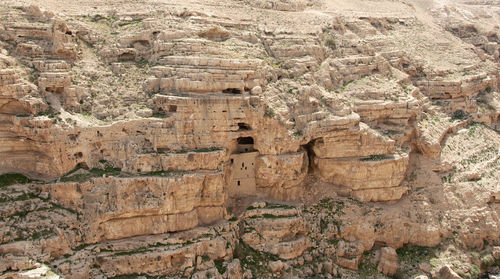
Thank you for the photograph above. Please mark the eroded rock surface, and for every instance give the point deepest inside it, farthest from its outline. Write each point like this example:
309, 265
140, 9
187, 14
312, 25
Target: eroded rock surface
249, 139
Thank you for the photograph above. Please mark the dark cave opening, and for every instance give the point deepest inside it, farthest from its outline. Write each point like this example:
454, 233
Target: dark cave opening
232, 91
310, 153
244, 127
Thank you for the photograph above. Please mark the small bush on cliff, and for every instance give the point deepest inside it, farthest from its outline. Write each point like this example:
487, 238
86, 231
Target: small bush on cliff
159, 114
366, 267
13, 178
219, 264
459, 115
199, 150
107, 169
411, 256
330, 42
254, 260
474, 271
374, 158
487, 261
269, 113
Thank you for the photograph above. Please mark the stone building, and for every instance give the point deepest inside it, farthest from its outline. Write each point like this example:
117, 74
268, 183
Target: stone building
242, 162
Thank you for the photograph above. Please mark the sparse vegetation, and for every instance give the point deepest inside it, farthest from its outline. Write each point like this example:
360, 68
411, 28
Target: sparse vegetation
487, 261
269, 113
330, 41
281, 64
474, 272
199, 150
50, 113
281, 206
13, 178
132, 22
159, 114
411, 256
94, 172
164, 173
459, 115
141, 250
219, 264
392, 132
366, 267
374, 158
142, 63
473, 128
254, 260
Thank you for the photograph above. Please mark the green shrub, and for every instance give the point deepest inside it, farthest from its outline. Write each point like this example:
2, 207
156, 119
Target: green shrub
254, 260
13, 178
220, 267
330, 42
298, 133
367, 269
459, 115
374, 158
159, 114
474, 271
269, 113
487, 261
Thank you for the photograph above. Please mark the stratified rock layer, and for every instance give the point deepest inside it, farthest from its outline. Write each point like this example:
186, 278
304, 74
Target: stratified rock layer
286, 138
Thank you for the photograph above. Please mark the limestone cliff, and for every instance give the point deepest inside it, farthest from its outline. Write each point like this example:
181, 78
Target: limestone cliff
249, 139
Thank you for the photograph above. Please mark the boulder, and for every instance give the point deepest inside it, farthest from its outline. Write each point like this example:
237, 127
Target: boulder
387, 261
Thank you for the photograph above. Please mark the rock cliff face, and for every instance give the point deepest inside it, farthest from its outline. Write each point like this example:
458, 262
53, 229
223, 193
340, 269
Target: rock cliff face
249, 139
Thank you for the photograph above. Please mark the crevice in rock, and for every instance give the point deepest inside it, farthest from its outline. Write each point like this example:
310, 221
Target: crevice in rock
310, 154
232, 91
244, 127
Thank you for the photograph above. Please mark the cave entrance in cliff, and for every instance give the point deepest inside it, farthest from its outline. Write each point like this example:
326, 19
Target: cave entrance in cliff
82, 165
242, 164
54, 89
232, 91
244, 127
310, 153
244, 144
126, 56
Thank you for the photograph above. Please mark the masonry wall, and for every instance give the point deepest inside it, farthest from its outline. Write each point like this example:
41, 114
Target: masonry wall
243, 176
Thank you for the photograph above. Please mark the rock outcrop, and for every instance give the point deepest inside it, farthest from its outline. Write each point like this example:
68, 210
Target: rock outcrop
286, 138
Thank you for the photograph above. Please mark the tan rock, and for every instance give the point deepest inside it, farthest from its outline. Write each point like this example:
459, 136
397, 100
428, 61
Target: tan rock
277, 231
446, 272
276, 266
215, 33
247, 274
349, 263
233, 270
287, 250
328, 267
387, 261
257, 90
425, 267
281, 171
378, 195
353, 143
386, 172
210, 273
111, 212
148, 109
496, 252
